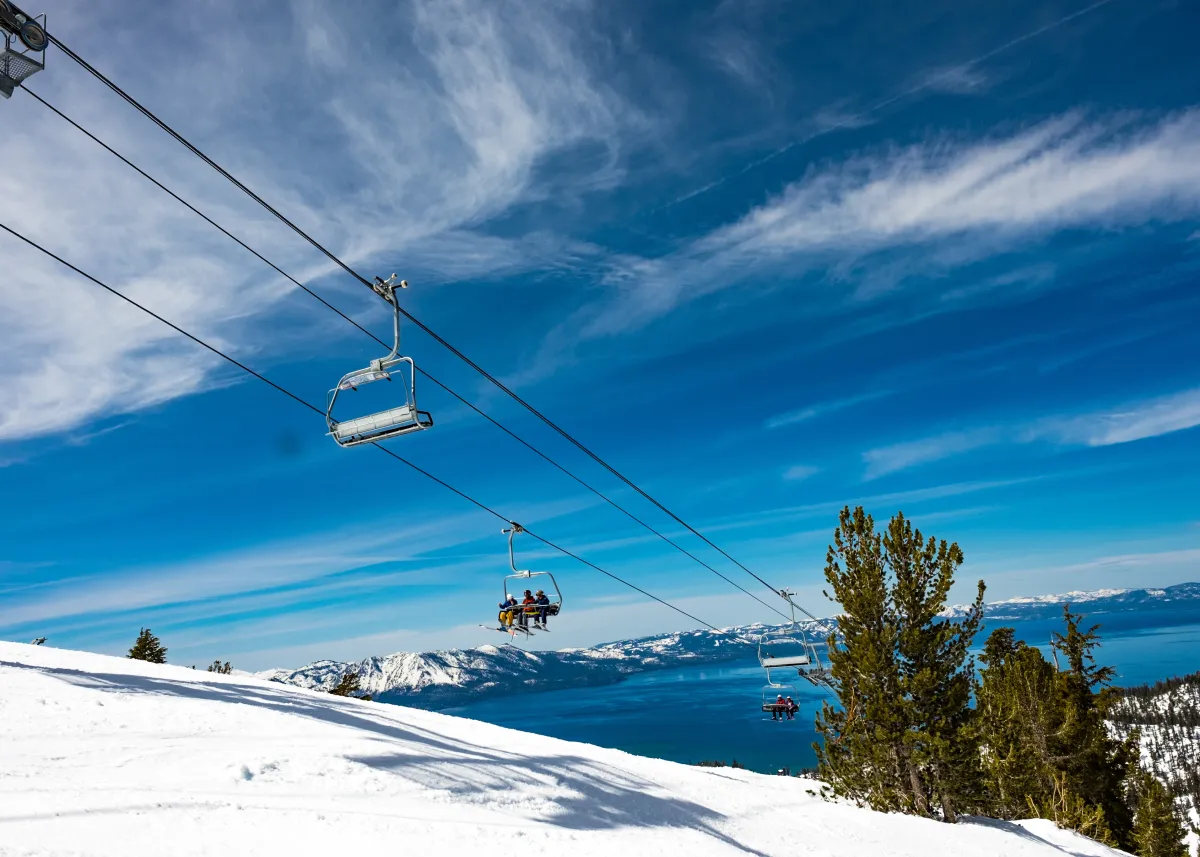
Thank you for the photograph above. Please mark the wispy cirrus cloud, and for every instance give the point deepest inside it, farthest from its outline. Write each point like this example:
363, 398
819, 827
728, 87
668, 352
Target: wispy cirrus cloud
1140, 420
899, 456
419, 148
1135, 421
801, 415
800, 472
956, 79
948, 201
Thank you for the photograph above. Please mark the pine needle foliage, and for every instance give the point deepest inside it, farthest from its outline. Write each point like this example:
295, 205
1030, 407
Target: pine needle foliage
897, 741
349, 686
1157, 831
222, 668
147, 647
1047, 751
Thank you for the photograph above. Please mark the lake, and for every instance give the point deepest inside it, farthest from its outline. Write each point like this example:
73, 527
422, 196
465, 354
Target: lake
712, 712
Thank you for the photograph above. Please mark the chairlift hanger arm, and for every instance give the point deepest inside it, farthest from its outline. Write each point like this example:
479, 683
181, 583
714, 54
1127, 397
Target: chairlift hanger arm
512, 531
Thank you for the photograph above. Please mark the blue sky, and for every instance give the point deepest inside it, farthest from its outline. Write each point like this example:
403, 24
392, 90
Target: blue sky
767, 258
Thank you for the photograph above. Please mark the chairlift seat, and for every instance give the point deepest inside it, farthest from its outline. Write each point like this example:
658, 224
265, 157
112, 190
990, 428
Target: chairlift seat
381, 426
790, 661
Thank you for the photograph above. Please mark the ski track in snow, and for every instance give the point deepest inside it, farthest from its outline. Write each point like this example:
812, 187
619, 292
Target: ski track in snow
107, 756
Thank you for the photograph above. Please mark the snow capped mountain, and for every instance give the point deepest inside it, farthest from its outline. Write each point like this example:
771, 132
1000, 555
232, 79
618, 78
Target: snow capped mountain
455, 677
109, 757
448, 678
1092, 602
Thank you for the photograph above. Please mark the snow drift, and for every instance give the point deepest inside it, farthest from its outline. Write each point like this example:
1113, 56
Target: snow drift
106, 756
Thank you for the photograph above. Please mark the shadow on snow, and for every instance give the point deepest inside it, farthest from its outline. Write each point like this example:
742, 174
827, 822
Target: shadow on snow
581, 794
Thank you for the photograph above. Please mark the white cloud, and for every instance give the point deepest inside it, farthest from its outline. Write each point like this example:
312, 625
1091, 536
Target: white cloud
1065, 172
955, 79
799, 472
899, 456
316, 564
407, 150
805, 414
1134, 421
1149, 418
949, 201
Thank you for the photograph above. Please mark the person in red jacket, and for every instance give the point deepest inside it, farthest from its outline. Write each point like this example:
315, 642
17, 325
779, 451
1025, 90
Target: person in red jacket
528, 608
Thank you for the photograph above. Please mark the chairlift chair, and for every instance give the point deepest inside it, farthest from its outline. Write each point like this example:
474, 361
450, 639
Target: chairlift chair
392, 422
18, 62
555, 597
771, 692
788, 647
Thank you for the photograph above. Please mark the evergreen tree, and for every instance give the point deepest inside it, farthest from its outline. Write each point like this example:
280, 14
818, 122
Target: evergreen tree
1018, 718
904, 675
1156, 828
217, 667
349, 686
148, 648
1095, 765
1045, 748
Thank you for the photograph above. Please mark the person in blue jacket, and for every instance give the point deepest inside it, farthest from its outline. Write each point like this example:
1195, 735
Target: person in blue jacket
543, 603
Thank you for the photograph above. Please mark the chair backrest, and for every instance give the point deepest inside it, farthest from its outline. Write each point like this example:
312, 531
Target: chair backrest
382, 421
790, 661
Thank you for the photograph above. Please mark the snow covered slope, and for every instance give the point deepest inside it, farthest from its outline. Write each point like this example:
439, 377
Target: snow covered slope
106, 756
459, 676
1167, 718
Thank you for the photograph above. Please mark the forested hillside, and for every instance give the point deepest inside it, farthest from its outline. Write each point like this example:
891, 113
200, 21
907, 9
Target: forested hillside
1168, 716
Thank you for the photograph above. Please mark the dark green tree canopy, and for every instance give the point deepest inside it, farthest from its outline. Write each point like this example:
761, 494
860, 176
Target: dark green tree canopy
350, 686
903, 671
148, 648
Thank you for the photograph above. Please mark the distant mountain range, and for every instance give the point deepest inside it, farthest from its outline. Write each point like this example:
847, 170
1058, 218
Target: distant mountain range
1093, 603
446, 679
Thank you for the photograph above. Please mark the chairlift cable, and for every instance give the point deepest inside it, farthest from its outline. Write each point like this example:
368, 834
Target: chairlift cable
366, 331
332, 257
320, 411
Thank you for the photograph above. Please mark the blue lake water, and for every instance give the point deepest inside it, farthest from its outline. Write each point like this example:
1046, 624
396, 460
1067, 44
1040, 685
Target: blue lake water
713, 712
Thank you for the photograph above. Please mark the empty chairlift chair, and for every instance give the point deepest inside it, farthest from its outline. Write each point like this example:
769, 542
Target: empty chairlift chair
788, 647
391, 422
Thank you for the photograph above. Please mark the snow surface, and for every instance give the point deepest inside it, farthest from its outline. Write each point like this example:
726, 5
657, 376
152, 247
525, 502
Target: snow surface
107, 756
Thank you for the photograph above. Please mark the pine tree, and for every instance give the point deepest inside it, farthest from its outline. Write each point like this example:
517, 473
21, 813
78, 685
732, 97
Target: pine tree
1045, 748
349, 686
858, 756
1156, 828
936, 670
898, 742
217, 667
1018, 717
1094, 764
148, 648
